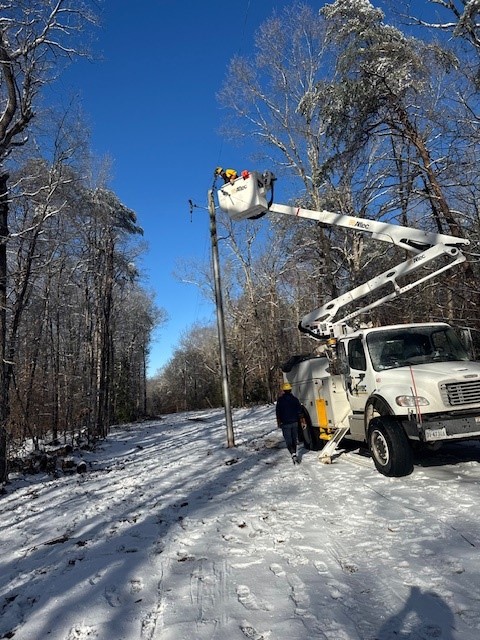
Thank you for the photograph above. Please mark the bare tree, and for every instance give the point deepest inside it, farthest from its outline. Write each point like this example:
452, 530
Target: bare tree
464, 20
381, 75
104, 224
34, 40
274, 97
191, 379
393, 86
79, 323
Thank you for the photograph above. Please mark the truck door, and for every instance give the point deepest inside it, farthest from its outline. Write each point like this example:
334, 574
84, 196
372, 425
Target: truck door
358, 379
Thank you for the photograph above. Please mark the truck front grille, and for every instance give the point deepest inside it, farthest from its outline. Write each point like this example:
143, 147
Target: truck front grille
457, 393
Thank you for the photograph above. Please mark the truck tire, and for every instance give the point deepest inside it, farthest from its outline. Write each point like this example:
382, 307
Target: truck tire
389, 447
317, 442
310, 435
306, 437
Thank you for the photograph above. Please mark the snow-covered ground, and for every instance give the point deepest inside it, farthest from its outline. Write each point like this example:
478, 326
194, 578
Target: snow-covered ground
170, 536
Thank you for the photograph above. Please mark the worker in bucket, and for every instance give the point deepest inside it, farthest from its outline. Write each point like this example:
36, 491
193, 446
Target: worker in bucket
289, 412
228, 175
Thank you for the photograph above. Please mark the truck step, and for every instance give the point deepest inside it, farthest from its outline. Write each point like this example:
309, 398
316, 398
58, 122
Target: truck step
331, 446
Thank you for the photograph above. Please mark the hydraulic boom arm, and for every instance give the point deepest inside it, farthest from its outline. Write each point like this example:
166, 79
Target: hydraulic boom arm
246, 198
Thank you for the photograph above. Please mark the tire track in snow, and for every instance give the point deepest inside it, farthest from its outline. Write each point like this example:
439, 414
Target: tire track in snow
208, 592
153, 620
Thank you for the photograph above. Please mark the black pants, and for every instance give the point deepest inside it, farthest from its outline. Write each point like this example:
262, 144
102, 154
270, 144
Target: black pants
290, 435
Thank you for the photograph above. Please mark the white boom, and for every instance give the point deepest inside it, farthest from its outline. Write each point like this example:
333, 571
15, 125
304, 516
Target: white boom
246, 198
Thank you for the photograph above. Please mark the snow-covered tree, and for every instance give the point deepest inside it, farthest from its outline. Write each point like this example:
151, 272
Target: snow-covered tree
381, 82
464, 22
35, 38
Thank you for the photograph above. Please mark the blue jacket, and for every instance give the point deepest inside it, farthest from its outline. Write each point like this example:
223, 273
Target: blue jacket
288, 409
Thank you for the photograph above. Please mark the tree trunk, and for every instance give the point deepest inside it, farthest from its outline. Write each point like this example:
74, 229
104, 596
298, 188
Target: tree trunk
3, 326
439, 204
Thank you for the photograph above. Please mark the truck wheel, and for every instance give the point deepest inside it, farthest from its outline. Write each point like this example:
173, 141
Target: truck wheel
305, 436
390, 448
308, 435
317, 443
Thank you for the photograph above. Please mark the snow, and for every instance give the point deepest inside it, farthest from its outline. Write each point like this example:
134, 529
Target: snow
170, 535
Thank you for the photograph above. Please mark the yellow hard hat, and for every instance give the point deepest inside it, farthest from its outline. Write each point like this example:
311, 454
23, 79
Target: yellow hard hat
218, 171
230, 172
286, 386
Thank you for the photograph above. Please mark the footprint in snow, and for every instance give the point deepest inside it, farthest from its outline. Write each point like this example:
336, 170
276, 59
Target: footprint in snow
251, 633
96, 578
320, 566
246, 597
81, 632
112, 597
136, 585
335, 592
277, 569
299, 596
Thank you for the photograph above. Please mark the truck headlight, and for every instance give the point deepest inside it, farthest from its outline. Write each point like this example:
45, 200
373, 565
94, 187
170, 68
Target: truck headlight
411, 401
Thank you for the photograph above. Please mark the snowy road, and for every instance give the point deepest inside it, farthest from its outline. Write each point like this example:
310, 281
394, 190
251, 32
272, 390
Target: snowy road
172, 536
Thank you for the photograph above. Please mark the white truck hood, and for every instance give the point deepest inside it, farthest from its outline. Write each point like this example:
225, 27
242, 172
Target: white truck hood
447, 386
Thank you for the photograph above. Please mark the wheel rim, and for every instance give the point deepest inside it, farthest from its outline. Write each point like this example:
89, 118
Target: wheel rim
380, 448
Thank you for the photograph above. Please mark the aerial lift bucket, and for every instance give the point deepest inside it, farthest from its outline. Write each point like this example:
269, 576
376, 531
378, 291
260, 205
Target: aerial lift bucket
245, 197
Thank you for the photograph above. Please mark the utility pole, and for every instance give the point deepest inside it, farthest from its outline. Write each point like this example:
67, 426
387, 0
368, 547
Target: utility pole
220, 320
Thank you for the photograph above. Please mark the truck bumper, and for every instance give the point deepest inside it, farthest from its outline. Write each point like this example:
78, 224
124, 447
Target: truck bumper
439, 429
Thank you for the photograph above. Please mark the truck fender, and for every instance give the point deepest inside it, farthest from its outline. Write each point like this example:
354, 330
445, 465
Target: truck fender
376, 406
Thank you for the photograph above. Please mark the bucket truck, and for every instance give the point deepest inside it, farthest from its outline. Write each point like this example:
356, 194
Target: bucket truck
392, 387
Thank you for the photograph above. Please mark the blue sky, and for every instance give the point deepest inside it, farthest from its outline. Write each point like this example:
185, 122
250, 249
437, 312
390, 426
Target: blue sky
150, 101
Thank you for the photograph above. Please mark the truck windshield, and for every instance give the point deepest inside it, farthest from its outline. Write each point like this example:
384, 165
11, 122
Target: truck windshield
414, 345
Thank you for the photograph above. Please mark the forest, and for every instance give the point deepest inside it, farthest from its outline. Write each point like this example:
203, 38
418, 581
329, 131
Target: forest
360, 111
75, 320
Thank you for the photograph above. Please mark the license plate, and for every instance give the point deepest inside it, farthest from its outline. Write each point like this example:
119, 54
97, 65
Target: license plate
435, 434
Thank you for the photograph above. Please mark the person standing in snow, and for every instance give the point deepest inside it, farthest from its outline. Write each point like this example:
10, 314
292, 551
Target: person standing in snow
289, 411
